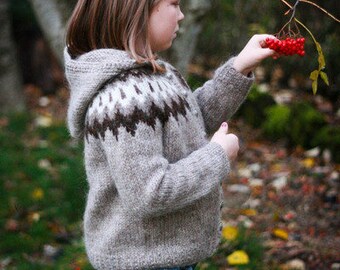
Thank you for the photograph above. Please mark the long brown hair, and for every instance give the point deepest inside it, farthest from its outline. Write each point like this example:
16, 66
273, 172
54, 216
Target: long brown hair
117, 24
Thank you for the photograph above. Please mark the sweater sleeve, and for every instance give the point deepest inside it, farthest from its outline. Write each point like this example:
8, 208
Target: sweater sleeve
147, 183
220, 97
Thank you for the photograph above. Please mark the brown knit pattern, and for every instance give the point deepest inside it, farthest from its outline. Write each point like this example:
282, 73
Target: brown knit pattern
97, 126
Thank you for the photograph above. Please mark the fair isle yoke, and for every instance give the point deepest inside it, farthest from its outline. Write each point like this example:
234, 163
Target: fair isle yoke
148, 101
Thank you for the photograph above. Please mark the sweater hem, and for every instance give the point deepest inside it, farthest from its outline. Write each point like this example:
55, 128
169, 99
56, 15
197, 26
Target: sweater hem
142, 261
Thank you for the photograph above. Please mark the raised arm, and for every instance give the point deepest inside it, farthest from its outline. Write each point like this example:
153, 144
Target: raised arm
220, 97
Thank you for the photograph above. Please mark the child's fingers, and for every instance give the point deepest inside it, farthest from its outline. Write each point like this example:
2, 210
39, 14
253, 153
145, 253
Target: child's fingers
267, 52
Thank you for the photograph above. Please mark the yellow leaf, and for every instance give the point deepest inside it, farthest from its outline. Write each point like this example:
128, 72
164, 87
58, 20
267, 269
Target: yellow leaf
308, 163
229, 233
321, 58
238, 257
38, 194
324, 77
249, 212
281, 234
314, 75
315, 86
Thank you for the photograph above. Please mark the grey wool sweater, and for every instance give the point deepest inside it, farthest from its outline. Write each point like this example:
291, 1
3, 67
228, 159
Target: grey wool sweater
154, 178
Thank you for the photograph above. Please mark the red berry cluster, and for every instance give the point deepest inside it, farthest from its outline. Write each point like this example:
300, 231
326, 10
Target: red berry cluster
288, 46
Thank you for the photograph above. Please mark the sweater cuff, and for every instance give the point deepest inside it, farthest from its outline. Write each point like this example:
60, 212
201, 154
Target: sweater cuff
228, 68
219, 159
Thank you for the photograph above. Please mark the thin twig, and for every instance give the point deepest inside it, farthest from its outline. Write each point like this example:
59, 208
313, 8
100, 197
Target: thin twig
311, 3
287, 4
293, 14
322, 9
293, 9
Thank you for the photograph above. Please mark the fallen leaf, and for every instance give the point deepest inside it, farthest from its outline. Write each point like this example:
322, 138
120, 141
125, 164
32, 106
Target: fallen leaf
44, 164
280, 183
238, 257
34, 217
249, 212
289, 215
280, 233
37, 194
308, 163
229, 233
43, 121
12, 225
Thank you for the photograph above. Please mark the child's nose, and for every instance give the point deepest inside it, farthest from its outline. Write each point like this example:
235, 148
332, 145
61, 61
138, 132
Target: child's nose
181, 15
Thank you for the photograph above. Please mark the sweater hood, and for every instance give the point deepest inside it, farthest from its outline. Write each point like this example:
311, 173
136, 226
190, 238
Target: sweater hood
86, 75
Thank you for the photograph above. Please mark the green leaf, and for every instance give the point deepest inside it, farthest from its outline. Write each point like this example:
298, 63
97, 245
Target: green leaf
315, 86
324, 77
314, 75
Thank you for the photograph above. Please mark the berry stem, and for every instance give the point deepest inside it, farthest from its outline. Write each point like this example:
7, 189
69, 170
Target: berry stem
293, 11
288, 24
305, 27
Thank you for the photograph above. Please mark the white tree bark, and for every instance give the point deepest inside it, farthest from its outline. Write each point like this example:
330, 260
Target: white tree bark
52, 16
11, 94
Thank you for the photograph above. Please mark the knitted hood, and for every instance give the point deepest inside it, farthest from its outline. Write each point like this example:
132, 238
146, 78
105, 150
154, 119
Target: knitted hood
86, 75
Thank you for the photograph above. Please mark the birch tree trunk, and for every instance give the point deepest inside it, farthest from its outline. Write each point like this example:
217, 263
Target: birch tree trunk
52, 16
183, 48
11, 95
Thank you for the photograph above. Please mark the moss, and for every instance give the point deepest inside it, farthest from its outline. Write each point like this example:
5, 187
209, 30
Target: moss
277, 121
303, 124
300, 124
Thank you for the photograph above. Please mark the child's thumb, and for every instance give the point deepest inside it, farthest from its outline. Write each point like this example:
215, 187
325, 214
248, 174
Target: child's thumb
224, 128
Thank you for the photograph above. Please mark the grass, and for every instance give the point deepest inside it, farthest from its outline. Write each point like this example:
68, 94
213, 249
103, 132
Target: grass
43, 190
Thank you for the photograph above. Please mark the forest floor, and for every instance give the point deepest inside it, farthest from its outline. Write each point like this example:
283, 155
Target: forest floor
288, 197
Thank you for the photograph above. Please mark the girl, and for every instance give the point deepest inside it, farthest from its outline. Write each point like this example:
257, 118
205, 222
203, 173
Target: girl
154, 178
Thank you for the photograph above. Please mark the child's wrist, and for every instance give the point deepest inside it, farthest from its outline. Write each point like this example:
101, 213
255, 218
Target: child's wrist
240, 68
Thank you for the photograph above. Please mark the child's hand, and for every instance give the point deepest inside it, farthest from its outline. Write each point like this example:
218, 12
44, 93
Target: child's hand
253, 53
229, 142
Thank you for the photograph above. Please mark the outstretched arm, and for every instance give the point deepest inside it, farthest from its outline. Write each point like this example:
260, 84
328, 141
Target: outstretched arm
220, 97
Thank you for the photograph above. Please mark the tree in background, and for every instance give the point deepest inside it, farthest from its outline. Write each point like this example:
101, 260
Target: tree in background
11, 97
182, 52
52, 16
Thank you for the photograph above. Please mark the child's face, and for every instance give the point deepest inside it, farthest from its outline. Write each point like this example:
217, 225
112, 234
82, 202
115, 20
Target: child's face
163, 24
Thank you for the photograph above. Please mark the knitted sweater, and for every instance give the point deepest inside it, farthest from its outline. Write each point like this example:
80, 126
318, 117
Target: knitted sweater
154, 178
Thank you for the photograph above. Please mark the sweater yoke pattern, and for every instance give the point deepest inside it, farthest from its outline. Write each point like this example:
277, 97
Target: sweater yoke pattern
118, 104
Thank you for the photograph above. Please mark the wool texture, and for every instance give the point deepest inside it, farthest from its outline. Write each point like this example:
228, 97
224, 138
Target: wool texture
154, 177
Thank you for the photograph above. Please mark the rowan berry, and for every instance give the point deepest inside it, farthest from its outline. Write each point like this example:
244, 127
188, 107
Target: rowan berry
288, 46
